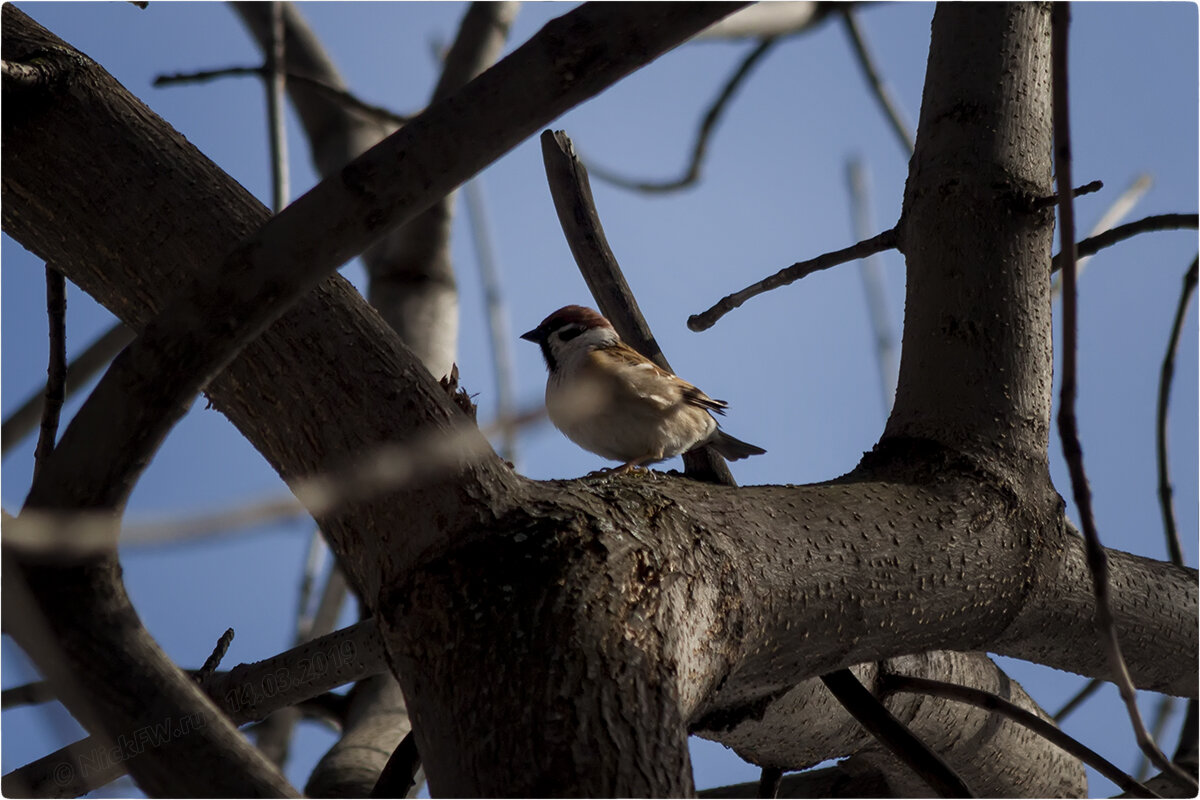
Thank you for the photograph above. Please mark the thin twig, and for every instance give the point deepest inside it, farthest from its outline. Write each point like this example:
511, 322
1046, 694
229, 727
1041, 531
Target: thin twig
691, 173
1116, 212
1158, 726
978, 697
384, 468
768, 783
572, 193
341, 96
891, 109
873, 286
214, 659
81, 370
56, 369
876, 244
497, 315
1078, 191
1155, 222
1089, 689
893, 734
1067, 424
1174, 546
276, 85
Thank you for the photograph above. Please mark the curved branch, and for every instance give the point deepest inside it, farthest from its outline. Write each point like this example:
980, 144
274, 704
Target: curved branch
1155, 222
691, 173
1174, 547
893, 682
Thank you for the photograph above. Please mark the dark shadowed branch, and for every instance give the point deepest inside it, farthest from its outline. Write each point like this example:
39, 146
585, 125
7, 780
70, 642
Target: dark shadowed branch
1112, 216
1155, 222
1089, 689
1068, 426
876, 244
56, 369
1174, 547
893, 735
341, 96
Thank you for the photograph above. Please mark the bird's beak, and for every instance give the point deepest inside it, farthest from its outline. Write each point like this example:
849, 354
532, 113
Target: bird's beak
532, 336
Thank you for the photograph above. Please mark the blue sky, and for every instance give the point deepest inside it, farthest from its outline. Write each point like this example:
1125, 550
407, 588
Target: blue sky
797, 365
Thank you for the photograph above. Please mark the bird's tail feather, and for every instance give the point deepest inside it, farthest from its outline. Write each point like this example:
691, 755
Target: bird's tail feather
732, 448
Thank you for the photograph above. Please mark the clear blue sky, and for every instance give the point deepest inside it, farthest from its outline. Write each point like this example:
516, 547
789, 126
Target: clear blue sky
797, 365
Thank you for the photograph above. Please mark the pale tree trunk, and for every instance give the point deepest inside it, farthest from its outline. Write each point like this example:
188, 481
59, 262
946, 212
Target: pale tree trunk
563, 637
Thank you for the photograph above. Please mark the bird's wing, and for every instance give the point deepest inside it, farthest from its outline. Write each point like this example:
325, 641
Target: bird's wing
650, 383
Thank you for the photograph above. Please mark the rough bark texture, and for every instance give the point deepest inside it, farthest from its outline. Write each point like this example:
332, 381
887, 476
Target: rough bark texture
609, 616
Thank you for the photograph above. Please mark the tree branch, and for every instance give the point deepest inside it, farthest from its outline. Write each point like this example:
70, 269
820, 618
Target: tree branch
893, 682
891, 109
572, 193
81, 370
1156, 222
1067, 424
1174, 546
801, 269
56, 371
691, 173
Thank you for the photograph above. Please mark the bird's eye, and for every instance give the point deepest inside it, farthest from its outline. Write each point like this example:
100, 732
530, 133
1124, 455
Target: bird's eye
570, 332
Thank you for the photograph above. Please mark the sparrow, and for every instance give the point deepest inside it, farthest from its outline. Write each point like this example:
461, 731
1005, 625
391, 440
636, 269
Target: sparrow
611, 400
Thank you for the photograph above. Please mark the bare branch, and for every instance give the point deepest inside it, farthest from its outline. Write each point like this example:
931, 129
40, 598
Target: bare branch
801, 269
708, 123
341, 96
276, 85
892, 733
1155, 222
1067, 424
1087, 691
978, 697
1116, 212
1174, 546
1158, 726
81, 370
245, 693
214, 660
56, 371
900, 126
572, 193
